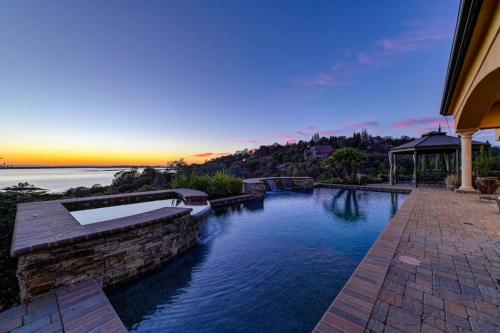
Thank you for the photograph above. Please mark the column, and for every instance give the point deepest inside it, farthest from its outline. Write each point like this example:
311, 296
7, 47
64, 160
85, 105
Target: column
415, 167
391, 168
466, 148
395, 168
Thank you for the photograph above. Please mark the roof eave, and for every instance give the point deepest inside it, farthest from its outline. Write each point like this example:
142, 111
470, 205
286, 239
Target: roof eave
466, 22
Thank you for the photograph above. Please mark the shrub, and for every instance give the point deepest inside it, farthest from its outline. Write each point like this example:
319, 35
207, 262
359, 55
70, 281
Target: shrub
453, 180
221, 184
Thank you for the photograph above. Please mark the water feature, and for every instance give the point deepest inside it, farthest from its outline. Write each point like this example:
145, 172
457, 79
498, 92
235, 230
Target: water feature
271, 265
272, 184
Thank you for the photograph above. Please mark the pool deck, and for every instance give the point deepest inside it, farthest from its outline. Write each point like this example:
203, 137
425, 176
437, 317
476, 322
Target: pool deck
456, 286
82, 308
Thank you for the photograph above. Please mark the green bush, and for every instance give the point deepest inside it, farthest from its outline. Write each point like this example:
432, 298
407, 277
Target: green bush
221, 184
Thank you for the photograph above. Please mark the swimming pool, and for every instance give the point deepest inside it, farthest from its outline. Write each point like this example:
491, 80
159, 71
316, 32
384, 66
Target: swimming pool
271, 265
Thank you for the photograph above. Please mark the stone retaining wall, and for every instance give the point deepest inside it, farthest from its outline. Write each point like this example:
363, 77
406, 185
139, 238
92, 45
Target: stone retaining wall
111, 259
234, 200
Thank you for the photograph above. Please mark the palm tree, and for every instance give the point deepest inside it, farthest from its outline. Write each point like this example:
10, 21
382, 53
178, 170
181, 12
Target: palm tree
346, 162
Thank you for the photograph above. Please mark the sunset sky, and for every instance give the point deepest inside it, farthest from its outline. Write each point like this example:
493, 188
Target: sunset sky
144, 82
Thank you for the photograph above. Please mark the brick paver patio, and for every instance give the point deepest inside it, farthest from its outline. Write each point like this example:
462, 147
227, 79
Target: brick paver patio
456, 286
82, 308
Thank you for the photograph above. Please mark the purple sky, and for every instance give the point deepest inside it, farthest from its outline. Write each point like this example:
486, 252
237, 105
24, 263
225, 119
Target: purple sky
159, 80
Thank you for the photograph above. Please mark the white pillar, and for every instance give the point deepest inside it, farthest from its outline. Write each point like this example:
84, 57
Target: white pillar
466, 148
391, 169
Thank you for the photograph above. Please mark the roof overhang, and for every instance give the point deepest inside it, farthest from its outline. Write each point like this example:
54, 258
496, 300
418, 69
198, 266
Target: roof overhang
468, 15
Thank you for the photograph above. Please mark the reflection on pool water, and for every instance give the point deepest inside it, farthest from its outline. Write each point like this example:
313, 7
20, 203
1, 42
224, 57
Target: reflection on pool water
88, 216
271, 265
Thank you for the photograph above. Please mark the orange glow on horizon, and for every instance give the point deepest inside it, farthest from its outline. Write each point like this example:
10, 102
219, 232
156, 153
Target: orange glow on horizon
86, 157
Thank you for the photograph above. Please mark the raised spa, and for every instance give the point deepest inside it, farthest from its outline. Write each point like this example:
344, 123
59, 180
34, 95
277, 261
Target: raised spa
271, 265
95, 215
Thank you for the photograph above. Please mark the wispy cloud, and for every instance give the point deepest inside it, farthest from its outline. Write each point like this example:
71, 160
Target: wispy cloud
210, 154
407, 126
385, 51
322, 80
253, 141
420, 36
427, 121
370, 125
305, 133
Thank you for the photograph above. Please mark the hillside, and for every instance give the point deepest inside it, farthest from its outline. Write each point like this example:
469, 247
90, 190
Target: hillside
289, 160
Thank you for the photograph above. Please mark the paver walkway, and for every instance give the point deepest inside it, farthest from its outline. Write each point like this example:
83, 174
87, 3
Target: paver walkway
456, 286
81, 308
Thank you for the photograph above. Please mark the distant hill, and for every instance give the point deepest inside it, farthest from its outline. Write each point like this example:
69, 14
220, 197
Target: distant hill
289, 159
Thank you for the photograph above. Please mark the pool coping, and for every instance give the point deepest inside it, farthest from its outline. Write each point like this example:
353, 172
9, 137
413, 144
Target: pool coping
372, 187
234, 199
47, 224
351, 309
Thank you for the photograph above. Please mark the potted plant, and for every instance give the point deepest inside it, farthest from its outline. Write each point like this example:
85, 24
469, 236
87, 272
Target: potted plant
483, 165
452, 181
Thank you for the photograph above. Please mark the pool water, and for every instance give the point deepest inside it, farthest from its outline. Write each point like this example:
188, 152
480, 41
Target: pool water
95, 215
272, 265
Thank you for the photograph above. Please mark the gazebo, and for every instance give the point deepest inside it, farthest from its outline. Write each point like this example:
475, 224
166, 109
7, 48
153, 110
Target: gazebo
431, 143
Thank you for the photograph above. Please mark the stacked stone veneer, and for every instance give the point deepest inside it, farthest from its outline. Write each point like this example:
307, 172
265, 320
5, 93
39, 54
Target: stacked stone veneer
111, 259
260, 186
55, 251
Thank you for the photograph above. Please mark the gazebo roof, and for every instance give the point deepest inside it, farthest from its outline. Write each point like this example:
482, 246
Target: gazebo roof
434, 140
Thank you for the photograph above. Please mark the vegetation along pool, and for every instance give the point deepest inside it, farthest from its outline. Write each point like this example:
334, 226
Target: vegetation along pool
271, 265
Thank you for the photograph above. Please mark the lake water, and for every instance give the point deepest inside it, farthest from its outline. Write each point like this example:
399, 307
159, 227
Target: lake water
271, 265
58, 179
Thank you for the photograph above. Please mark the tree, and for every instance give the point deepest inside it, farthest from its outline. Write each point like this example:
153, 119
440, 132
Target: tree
316, 137
346, 161
484, 162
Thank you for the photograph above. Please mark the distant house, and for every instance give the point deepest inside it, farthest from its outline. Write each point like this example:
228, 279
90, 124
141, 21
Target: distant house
318, 151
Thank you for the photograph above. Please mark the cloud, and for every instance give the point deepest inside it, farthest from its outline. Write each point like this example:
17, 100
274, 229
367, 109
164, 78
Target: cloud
253, 141
210, 154
303, 133
322, 80
373, 125
420, 37
385, 51
427, 121
408, 126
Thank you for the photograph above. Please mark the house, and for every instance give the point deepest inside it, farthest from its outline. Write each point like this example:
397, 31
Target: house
318, 151
472, 88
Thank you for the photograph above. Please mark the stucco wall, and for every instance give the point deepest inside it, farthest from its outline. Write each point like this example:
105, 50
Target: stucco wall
477, 88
